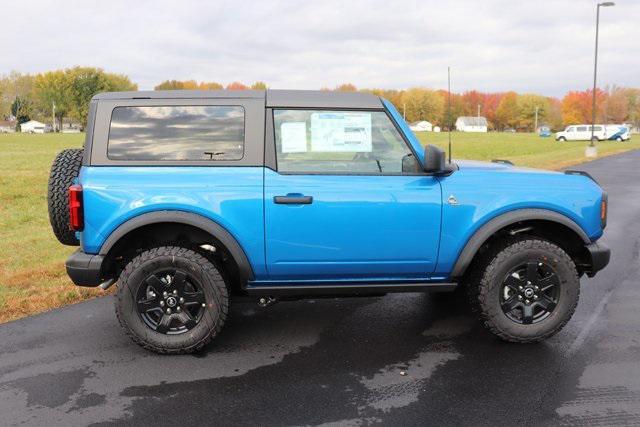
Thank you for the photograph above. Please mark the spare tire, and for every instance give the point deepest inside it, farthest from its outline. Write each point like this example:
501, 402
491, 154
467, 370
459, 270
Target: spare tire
64, 170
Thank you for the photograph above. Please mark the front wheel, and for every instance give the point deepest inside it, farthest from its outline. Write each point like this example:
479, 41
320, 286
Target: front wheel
171, 300
527, 290
619, 139
561, 139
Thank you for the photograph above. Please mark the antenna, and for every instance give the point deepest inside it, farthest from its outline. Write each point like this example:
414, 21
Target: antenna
449, 108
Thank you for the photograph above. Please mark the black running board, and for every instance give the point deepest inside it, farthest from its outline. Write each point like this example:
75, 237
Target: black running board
347, 288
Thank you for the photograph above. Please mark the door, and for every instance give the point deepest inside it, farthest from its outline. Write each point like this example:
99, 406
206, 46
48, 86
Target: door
348, 200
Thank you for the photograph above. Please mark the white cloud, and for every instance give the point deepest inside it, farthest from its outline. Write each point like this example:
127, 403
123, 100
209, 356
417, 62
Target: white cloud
494, 45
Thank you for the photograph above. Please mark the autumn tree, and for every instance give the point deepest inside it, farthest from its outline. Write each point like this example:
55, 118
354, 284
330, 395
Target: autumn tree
12, 86
53, 88
237, 86
577, 106
528, 103
508, 112
422, 104
346, 87
85, 82
616, 107
187, 85
259, 86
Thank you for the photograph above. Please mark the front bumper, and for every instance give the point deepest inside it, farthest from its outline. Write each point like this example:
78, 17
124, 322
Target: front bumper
600, 255
85, 269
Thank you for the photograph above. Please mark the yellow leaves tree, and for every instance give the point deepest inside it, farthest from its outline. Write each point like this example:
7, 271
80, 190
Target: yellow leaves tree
422, 104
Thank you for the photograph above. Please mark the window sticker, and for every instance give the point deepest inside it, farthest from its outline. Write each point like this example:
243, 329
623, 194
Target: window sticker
293, 137
341, 132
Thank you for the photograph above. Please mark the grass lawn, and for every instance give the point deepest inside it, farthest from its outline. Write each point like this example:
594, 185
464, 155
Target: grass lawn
523, 149
32, 274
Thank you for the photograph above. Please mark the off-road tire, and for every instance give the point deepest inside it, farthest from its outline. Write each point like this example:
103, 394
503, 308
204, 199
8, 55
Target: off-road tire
65, 168
214, 288
485, 279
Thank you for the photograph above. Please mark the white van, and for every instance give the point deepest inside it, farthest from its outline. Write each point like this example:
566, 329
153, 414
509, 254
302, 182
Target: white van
600, 133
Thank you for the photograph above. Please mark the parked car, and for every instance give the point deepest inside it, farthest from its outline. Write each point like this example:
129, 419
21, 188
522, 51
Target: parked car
600, 133
618, 133
544, 132
509, 130
192, 199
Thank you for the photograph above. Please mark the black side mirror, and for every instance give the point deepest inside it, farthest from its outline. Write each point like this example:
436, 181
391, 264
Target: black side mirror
434, 159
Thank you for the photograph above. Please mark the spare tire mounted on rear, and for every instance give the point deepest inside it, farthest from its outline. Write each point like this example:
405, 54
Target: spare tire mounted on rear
64, 170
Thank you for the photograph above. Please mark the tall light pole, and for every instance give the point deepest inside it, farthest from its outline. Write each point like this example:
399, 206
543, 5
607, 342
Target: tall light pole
592, 151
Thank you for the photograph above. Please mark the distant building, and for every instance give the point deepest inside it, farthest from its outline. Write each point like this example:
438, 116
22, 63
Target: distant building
34, 126
7, 126
471, 124
421, 126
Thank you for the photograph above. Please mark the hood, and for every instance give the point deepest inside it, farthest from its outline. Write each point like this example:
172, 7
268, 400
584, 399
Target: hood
473, 165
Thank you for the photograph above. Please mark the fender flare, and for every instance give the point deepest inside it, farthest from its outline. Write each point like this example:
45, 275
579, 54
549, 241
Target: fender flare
181, 217
488, 229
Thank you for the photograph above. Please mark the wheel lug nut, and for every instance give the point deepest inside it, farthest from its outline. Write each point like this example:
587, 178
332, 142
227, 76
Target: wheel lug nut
178, 309
520, 287
164, 294
168, 311
536, 288
527, 301
161, 303
204, 305
175, 292
535, 297
181, 300
520, 297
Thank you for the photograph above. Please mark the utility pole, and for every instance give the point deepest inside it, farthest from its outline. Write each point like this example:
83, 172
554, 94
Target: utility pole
535, 127
591, 150
53, 115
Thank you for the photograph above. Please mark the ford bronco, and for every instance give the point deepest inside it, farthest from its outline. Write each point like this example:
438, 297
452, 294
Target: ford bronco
187, 199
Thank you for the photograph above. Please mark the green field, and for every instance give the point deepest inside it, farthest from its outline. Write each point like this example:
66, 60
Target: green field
32, 275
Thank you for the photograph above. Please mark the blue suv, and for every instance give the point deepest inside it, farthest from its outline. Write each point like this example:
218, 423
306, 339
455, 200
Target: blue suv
188, 199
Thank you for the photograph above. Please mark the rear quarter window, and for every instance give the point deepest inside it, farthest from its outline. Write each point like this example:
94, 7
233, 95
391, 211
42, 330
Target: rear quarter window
174, 133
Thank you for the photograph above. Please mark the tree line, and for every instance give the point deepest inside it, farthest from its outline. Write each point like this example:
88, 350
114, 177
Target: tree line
66, 93
63, 93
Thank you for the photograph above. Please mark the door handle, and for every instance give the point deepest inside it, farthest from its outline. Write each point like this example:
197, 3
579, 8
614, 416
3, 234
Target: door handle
293, 200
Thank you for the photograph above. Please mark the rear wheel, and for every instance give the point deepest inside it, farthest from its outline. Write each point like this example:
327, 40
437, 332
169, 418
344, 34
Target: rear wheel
527, 290
171, 300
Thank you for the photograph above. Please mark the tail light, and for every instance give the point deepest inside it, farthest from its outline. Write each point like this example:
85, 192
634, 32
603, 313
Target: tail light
603, 210
76, 218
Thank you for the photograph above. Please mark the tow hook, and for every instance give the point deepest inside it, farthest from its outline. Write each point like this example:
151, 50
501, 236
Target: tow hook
266, 301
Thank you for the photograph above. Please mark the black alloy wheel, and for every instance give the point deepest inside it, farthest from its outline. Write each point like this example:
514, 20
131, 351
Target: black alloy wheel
171, 302
530, 293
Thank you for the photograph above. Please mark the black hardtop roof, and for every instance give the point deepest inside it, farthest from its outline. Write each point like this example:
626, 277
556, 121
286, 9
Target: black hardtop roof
273, 98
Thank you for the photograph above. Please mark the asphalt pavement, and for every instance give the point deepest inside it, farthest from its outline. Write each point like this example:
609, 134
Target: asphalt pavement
405, 359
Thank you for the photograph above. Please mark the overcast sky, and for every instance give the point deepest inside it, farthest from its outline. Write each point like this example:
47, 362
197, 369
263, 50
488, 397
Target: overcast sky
541, 46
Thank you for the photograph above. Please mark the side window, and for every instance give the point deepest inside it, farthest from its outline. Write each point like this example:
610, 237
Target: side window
170, 133
582, 128
323, 141
571, 129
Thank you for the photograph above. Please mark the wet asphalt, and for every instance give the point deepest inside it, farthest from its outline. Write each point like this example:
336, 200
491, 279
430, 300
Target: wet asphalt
405, 359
